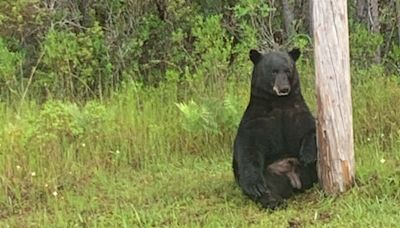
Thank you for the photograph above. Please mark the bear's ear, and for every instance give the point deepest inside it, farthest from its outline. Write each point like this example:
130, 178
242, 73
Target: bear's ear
255, 56
295, 54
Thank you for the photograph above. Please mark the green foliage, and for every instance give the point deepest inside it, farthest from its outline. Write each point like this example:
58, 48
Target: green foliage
302, 42
213, 47
363, 45
136, 46
212, 116
10, 64
56, 121
394, 56
75, 64
93, 116
197, 118
22, 20
252, 8
254, 15
89, 52
231, 113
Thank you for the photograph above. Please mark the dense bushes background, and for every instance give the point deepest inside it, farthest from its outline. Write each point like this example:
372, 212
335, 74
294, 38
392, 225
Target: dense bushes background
80, 49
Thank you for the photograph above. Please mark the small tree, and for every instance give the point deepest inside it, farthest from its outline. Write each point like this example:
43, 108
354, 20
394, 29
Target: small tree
336, 166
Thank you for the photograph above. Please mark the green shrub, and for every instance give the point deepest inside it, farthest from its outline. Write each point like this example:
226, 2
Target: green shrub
93, 118
76, 64
10, 64
394, 57
363, 45
213, 48
56, 122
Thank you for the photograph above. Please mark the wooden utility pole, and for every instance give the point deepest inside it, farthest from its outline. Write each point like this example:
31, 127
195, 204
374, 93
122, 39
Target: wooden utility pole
336, 166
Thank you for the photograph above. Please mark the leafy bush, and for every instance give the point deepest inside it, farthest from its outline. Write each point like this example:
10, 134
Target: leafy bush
213, 48
90, 48
363, 45
56, 122
394, 57
10, 64
75, 64
95, 121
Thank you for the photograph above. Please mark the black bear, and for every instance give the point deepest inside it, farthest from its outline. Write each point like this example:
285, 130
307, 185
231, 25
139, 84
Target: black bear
275, 148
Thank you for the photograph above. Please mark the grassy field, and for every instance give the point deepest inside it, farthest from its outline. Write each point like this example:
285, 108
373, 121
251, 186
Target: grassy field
162, 157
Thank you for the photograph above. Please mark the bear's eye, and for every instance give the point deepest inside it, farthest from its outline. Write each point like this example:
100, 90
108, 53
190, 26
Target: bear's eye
274, 71
287, 71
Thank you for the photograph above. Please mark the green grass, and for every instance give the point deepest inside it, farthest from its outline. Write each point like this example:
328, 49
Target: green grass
200, 192
136, 160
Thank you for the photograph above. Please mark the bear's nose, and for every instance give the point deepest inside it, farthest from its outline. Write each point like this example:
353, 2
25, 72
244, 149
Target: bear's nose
284, 90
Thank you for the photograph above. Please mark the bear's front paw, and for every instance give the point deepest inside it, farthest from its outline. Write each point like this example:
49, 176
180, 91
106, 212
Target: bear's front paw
268, 201
254, 187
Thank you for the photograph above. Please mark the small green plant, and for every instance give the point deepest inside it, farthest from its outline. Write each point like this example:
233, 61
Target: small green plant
93, 118
197, 118
56, 122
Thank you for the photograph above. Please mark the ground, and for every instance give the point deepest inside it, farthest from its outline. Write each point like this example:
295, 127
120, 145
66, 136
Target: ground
201, 192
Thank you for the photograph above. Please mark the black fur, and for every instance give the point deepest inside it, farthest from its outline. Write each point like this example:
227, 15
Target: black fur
276, 124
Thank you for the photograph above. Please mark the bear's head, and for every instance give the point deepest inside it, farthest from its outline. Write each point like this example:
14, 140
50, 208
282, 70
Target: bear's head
274, 73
